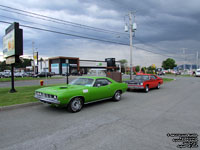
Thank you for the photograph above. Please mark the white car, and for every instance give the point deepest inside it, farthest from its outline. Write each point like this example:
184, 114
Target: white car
197, 73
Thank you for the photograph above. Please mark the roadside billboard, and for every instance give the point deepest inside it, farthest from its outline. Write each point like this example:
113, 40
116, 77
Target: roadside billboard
9, 44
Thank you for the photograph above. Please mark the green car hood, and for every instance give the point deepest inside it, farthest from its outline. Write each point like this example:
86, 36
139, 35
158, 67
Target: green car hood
56, 90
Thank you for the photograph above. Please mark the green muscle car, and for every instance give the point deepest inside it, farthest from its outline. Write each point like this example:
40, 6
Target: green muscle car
81, 91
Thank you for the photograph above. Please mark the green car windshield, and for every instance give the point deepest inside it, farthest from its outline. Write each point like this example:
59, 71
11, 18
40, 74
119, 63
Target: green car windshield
83, 81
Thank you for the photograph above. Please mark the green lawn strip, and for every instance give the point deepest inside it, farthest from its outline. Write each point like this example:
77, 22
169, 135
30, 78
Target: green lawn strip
164, 79
182, 75
27, 78
23, 95
167, 79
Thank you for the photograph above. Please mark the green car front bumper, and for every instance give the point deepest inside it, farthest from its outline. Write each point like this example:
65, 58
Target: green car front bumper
46, 98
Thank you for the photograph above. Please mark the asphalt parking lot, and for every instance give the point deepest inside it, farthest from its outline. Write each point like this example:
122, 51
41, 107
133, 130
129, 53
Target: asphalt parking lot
47, 81
140, 121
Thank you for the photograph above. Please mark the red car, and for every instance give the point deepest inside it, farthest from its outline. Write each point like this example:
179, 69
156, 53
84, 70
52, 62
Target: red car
145, 82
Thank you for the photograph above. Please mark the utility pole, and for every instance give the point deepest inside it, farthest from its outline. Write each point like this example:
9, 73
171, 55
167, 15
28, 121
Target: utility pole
132, 27
33, 58
184, 60
197, 61
131, 44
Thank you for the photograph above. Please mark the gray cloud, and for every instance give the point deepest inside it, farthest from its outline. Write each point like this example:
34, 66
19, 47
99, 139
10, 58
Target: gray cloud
164, 27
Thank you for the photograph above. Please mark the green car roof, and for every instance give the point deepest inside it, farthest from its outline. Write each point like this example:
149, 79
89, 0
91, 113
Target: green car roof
94, 77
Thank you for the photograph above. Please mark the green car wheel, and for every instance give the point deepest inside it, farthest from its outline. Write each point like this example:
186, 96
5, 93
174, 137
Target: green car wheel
75, 104
117, 96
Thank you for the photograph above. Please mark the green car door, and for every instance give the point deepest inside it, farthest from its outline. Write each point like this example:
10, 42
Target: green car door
100, 90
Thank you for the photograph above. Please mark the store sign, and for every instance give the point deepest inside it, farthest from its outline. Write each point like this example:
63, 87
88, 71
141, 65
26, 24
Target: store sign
35, 58
9, 44
13, 43
11, 60
92, 64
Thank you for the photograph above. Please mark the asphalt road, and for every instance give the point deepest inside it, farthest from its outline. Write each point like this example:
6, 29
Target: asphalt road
140, 121
37, 82
47, 81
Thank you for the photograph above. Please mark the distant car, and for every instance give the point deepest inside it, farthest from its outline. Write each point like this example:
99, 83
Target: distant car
81, 91
197, 73
145, 82
1, 75
160, 73
7, 74
65, 74
43, 74
97, 72
177, 73
20, 74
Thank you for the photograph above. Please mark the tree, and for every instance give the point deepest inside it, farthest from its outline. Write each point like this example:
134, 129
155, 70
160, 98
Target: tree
169, 63
137, 68
23, 63
144, 69
123, 64
4, 66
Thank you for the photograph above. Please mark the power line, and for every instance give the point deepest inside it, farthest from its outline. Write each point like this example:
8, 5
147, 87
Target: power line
58, 20
90, 38
141, 41
156, 52
68, 34
43, 25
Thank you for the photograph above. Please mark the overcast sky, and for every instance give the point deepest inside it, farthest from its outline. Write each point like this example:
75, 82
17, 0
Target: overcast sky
165, 28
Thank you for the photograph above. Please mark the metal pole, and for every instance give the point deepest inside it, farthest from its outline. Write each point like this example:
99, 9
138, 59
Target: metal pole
67, 73
184, 60
197, 60
33, 58
12, 90
131, 43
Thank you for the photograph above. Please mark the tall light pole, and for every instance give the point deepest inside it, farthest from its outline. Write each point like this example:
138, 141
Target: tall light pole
184, 60
197, 61
33, 58
132, 27
131, 44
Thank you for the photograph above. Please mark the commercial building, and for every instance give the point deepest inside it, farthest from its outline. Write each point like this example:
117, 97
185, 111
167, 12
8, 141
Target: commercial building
58, 65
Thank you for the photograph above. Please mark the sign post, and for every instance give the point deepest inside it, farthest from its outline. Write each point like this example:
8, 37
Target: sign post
67, 63
13, 48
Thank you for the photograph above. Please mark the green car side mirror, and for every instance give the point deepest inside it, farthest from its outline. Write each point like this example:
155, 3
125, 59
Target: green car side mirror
98, 85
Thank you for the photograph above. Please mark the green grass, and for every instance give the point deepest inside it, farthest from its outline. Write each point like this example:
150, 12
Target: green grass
164, 79
26, 94
27, 78
167, 79
183, 75
23, 95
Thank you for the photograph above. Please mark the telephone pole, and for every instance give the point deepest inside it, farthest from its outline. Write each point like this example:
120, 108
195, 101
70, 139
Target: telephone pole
131, 27
197, 60
33, 58
131, 44
184, 60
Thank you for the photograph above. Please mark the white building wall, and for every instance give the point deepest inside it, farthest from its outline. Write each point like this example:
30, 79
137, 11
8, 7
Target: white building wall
43, 66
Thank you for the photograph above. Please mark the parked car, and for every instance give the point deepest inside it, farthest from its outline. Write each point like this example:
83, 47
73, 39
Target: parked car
1, 74
81, 91
197, 73
160, 73
20, 74
42, 74
145, 82
177, 73
7, 74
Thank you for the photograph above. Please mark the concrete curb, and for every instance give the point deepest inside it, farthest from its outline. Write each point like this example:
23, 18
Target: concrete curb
19, 106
